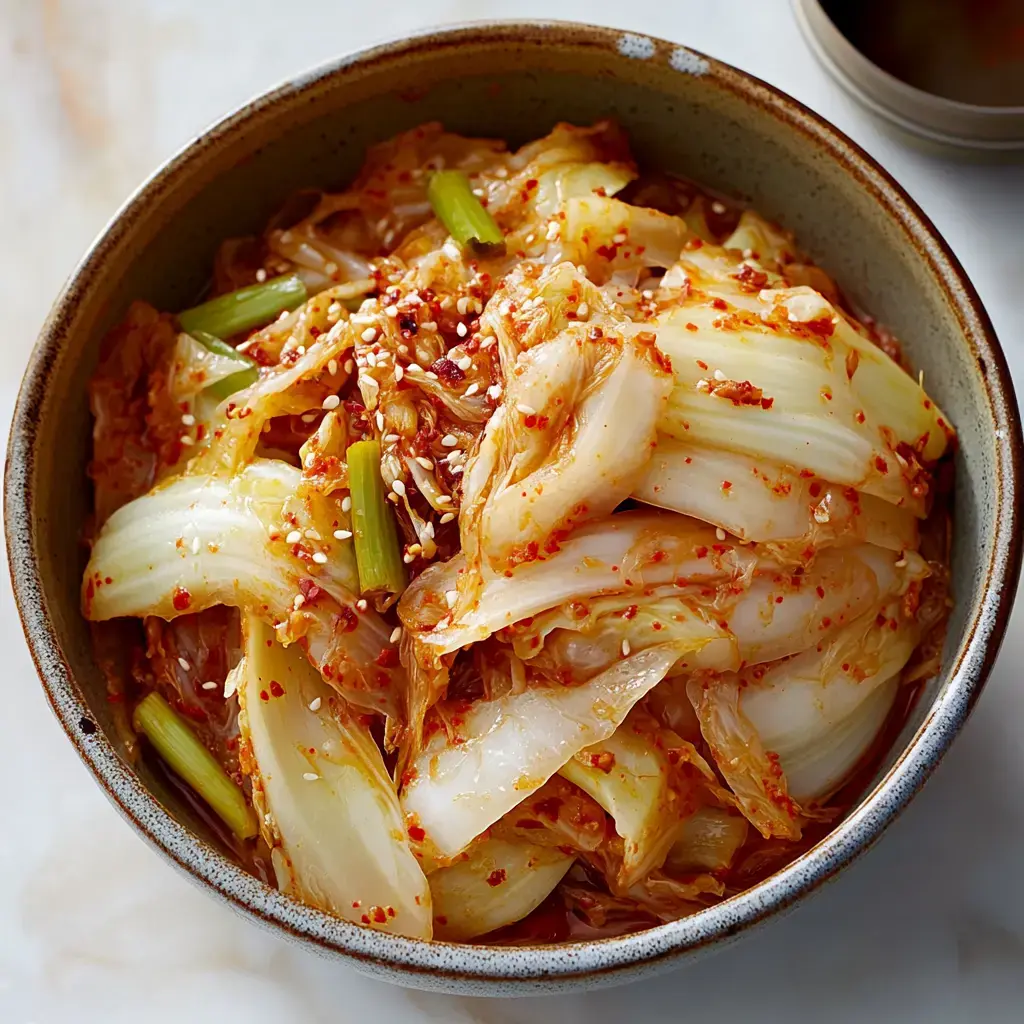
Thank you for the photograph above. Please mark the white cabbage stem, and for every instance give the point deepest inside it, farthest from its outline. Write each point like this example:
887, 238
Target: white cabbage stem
507, 748
498, 883
329, 809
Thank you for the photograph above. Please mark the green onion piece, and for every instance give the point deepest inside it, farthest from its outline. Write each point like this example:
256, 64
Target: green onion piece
245, 309
460, 211
227, 386
179, 746
373, 523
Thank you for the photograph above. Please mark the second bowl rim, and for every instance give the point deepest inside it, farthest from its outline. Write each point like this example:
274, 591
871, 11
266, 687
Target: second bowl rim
481, 968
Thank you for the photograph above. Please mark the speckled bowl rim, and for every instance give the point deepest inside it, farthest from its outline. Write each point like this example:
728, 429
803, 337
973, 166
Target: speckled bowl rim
480, 969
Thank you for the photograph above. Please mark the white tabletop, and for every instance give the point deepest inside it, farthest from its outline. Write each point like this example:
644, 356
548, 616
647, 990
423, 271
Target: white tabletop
94, 927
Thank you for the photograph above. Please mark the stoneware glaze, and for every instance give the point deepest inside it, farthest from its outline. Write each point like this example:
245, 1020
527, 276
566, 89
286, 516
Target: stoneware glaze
684, 112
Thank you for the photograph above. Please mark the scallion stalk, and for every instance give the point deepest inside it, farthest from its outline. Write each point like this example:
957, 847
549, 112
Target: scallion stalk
246, 308
179, 746
227, 386
373, 524
464, 216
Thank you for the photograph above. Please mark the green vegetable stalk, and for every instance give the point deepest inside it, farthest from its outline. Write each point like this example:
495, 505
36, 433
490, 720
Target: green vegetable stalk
460, 211
244, 309
373, 523
179, 746
245, 377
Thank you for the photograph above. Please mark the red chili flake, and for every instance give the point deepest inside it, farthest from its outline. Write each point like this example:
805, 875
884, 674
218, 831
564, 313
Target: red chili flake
447, 371
416, 833
276, 689
815, 489
826, 622
388, 658
264, 695
181, 599
806, 473
751, 278
365, 919
820, 591
859, 416
702, 364
496, 877
767, 403
881, 465
603, 761
657, 625
530, 823
726, 484
701, 552
309, 590
693, 327
347, 619
719, 304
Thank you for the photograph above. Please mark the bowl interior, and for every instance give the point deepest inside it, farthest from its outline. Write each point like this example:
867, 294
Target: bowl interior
683, 113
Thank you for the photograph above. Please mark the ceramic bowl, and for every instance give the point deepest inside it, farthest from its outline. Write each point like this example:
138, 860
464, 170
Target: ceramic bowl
685, 112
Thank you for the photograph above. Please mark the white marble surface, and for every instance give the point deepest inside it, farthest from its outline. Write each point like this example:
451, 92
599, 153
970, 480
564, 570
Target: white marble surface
95, 928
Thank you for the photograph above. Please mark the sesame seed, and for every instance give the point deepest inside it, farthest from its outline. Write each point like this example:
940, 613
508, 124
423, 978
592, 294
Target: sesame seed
186, 440
209, 686
320, 558
391, 311
455, 456
647, 294
298, 601
195, 545
462, 305
371, 359
294, 537
465, 363
342, 534
408, 559
619, 237
184, 664
717, 207
552, 232
900, 563
188, 419
461, 330
360, 318
399, 373
314, 704
425, 463
625, 648
346, 503
379, 419
310, 776
447, 517
309, 460
330, 402
306, 418
719, 375
526, 410
719, 533
349, 366
488, 341
451, 596
494, 391
431, 374
428, 325
332, 366
312, 534
361, 605
396, 634
456, 470
582, 310
414, 368
449, 440
390, 438
471, 390
261, 275
399, 488
444, 499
